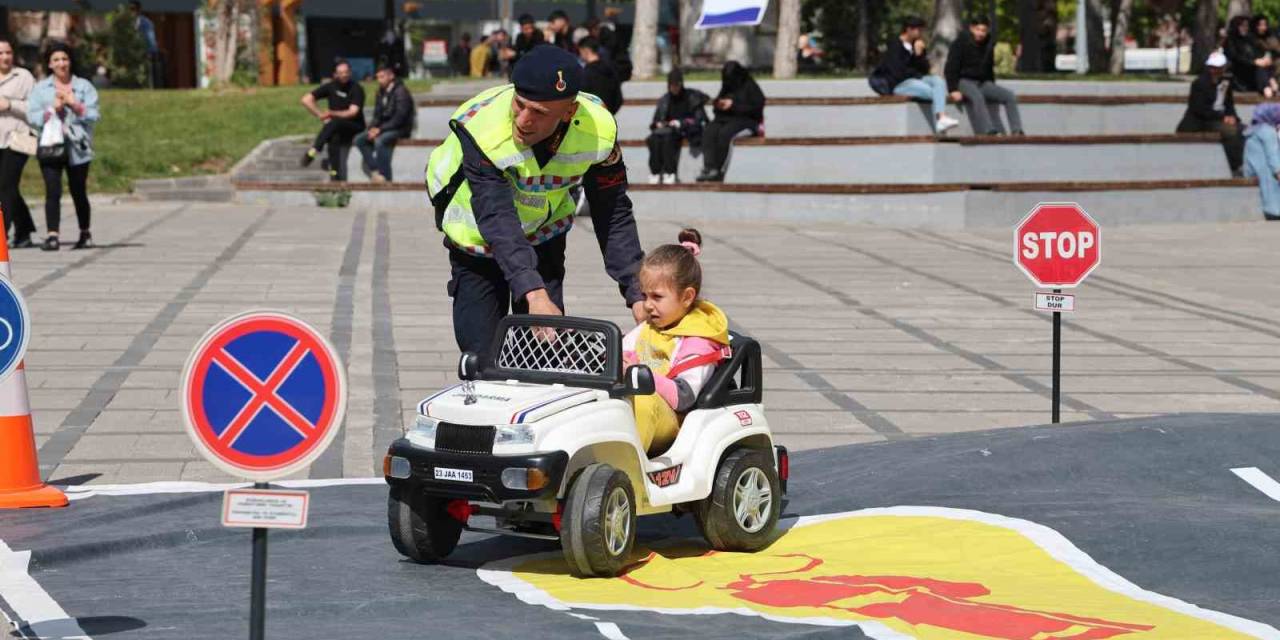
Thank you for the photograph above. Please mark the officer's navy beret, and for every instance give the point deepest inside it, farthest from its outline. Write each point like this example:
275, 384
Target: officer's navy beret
547, 73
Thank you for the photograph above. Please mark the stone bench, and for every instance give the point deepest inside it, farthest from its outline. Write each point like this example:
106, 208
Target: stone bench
943, 206
918, 159
897, 116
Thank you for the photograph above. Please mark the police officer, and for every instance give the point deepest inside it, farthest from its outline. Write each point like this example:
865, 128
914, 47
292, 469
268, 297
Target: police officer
500, 188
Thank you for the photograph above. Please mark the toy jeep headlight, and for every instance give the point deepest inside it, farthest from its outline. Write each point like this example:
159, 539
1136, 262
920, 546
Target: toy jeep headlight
512, 434
423, 431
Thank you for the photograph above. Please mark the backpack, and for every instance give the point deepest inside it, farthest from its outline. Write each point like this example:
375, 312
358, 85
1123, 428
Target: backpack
880, 83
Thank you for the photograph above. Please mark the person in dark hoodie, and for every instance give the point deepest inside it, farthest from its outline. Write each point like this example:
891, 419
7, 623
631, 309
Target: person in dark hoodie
681, 114
971, 76
1211, 107
738, 107
1251, 65
904, 71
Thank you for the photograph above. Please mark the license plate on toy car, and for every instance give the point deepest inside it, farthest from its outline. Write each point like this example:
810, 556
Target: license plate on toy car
457, 475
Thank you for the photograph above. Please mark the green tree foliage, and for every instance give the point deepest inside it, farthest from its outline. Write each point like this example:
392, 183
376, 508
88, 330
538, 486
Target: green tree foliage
121, 49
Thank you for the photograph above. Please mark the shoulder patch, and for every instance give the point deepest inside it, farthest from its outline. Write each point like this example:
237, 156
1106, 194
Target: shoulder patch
615, 156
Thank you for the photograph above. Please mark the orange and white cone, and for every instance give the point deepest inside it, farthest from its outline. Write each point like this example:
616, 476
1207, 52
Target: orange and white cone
20, 483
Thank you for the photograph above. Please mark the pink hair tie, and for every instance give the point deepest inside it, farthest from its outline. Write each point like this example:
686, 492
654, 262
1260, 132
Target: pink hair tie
692, 247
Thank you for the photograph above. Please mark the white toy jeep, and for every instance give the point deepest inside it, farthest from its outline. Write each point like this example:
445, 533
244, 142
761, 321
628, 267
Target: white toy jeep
541, 437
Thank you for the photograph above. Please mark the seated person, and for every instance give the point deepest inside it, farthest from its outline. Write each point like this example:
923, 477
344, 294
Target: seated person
393, 115
1211, 107
1262, 156
1251, 65
738, 107
904, 71
343, 120
682, 342
971, 76
681, 114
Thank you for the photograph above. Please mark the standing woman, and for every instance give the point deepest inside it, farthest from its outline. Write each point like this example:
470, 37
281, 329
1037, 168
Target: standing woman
74, 101
15, 144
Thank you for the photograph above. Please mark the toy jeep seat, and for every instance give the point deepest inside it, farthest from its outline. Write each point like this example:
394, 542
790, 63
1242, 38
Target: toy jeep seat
736, 380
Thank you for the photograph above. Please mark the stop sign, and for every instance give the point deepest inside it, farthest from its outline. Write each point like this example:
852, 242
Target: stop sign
1057, 245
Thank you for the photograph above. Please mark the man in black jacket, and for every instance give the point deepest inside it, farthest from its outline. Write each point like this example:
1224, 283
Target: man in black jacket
393, 115
1211, 107
970, 72
681, 114
905, 69
599, 77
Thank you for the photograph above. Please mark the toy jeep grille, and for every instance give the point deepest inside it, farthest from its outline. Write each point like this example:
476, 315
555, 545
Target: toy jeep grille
464, 438
559, 349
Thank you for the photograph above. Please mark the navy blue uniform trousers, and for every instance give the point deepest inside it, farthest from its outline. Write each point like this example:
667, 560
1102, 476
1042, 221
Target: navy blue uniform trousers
482, 297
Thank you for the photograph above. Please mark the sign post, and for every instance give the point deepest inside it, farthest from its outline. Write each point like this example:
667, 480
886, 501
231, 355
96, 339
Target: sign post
1057, 246
263, 395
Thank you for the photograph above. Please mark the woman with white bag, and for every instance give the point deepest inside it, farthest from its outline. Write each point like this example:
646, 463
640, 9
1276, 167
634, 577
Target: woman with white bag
64, 108
17, 142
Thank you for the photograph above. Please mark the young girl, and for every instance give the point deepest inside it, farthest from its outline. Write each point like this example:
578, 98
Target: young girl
683, 340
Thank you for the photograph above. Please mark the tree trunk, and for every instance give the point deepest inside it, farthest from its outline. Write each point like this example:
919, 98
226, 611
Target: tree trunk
1029, 27
947, 18
1097, 41
784, 52
1204, 33
264, 39
1119, 29
862, 46
690, 10
1239, 8
227, 15
644, 40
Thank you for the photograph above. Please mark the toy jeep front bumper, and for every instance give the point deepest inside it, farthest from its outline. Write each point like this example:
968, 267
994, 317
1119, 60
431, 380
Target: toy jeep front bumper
486, 472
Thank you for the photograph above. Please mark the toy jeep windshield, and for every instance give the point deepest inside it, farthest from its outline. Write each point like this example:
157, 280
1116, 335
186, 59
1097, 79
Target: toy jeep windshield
540, 436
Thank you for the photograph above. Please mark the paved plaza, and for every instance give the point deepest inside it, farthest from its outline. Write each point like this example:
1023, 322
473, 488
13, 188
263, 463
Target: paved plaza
870, 334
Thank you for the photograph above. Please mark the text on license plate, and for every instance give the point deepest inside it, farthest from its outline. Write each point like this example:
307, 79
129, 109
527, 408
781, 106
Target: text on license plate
459, 475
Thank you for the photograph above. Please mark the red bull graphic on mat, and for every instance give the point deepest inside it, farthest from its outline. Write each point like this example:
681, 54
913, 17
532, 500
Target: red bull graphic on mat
903, 572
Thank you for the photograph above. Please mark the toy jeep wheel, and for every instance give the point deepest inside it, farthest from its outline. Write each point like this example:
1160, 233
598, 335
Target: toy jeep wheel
421, 528
598, 527
742, 510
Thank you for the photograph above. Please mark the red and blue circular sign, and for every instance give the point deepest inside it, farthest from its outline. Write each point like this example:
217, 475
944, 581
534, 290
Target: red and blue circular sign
263, 395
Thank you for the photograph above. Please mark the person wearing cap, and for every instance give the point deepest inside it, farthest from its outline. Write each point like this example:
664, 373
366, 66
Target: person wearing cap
500, 186
1211, 107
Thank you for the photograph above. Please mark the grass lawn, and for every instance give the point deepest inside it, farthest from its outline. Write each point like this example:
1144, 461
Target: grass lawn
170, 133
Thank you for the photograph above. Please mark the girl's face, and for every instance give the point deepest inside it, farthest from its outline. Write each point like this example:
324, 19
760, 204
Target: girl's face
664, 305
6, 57
61, 64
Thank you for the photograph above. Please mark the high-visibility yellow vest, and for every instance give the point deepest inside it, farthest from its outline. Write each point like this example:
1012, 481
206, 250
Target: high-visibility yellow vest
541, 193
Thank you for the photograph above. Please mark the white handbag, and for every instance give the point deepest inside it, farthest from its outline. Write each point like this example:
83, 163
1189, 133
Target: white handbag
53, 144
23, 140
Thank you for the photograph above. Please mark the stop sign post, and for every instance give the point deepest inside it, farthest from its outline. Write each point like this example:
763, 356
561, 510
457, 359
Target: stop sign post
1057, 245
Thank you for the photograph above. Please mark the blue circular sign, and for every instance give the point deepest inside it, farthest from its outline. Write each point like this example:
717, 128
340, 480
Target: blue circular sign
15, 328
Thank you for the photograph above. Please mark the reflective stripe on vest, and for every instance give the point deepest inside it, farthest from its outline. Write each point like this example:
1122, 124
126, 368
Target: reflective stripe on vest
541, 194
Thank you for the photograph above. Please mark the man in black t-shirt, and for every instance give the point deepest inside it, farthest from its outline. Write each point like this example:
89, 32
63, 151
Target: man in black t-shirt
343, 120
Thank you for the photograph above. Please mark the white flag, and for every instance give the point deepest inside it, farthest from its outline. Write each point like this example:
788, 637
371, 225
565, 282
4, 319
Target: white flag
731, 13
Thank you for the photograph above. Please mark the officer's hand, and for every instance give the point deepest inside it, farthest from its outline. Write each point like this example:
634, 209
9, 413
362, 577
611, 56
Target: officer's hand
540, 303
637, 310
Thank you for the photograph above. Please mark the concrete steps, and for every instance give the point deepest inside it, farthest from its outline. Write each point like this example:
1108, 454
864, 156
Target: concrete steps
883, 160
945, 206
216, 188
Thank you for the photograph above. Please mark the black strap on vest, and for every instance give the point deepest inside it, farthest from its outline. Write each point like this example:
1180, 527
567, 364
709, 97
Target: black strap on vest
440, 201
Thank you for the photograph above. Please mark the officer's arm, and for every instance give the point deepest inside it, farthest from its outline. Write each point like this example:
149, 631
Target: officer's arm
605, 185
495, 211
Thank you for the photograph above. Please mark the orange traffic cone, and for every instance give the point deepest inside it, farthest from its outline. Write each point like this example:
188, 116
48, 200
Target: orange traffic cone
20, 483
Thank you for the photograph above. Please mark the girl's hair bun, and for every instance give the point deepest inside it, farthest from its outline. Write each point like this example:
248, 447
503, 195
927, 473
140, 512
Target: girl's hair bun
690, 235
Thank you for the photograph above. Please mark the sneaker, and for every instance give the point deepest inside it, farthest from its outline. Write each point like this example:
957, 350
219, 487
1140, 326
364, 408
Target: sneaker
308, 157
85, 241
51, 244
946, 123
670, 178
655, 178
22, 243
377, 178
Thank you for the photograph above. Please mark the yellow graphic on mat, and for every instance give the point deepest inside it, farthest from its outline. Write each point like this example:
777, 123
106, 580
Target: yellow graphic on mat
913, 572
